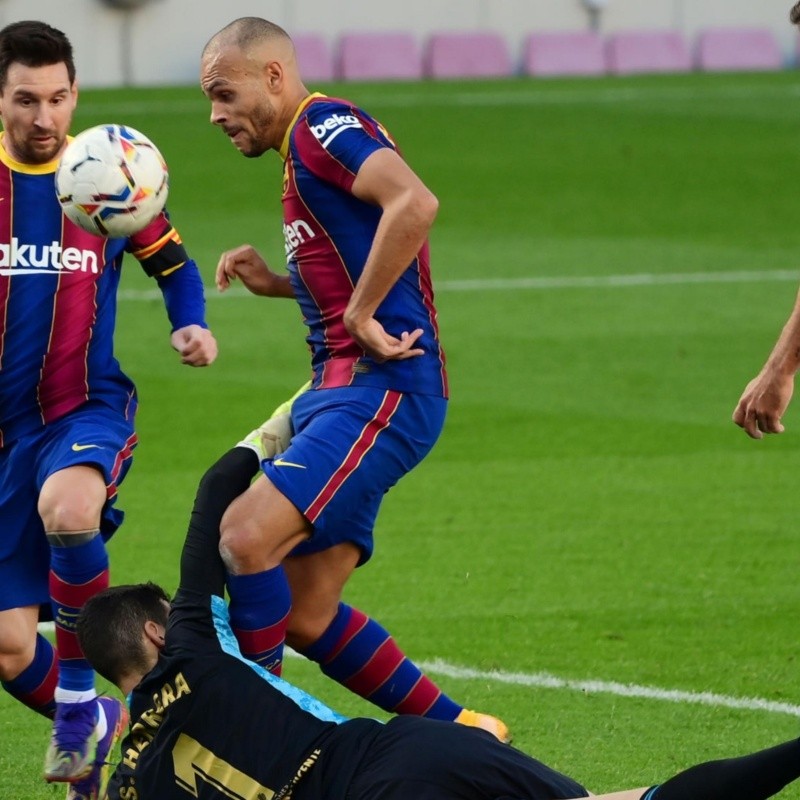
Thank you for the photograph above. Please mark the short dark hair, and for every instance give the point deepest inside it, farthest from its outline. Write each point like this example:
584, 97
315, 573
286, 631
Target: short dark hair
247, 31
794, 14
34, 44
110, 627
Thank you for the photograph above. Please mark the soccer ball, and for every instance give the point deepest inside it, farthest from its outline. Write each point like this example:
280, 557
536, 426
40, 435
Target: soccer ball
112, 181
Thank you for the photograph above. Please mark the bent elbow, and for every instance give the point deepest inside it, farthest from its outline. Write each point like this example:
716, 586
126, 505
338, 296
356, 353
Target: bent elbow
426, 207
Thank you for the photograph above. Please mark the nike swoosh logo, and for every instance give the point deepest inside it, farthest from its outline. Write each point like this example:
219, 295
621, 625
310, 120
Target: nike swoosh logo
279, 462
78, 447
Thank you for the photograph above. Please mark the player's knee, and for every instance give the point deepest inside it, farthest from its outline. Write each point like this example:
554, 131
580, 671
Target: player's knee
242, 545
62, 509
69, 514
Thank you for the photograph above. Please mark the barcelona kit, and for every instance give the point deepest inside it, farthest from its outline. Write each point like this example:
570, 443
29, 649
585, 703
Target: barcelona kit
64, 399
363, 424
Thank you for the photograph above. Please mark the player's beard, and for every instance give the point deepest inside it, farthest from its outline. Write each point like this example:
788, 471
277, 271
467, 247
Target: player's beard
263, 121
29, 151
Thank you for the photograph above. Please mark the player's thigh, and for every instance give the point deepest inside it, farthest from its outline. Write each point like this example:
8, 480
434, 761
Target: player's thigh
262, 519
351, 446
100, 443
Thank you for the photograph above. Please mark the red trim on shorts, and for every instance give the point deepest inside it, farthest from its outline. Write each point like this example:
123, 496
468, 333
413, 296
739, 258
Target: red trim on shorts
362, 445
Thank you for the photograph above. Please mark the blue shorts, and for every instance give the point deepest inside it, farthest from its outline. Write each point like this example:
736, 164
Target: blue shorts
92, 435
351, 445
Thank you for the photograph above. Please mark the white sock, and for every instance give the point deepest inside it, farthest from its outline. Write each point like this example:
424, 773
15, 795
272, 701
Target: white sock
70, 696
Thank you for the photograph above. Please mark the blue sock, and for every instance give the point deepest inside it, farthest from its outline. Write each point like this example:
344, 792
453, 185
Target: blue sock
259, 612
77, 572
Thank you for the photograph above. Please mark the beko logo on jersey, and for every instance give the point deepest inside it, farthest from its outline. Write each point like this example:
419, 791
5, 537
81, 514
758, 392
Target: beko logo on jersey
294, 234
329, 129
16, 258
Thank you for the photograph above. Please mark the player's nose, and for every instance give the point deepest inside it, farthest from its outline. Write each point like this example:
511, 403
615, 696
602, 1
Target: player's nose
217, 115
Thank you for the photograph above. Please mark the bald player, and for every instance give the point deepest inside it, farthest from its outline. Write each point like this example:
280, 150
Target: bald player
356, 223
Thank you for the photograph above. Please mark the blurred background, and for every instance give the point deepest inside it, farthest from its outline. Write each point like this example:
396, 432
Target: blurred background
156, 42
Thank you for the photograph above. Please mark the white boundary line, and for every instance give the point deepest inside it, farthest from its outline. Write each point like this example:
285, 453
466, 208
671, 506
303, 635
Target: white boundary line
547, 283
542, 680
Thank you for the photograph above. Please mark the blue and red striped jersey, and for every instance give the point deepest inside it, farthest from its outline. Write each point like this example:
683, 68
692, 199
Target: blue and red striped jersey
328, 234
58, 304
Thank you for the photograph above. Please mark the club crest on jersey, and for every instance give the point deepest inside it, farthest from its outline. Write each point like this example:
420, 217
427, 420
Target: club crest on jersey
331, 127
31, 259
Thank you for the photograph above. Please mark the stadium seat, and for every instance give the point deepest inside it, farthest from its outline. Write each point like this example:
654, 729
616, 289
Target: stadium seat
633, 52
379, 56
467, 55
720, 49
554, 54
313, 57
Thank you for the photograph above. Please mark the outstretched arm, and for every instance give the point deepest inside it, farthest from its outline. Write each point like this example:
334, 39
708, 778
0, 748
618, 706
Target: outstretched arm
767, 396
184, 298
202, 569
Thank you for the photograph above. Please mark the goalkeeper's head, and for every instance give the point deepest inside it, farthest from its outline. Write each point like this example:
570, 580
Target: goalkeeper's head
121, 631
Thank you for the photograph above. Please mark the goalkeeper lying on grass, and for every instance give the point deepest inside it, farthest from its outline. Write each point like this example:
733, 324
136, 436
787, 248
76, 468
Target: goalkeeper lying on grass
207, 724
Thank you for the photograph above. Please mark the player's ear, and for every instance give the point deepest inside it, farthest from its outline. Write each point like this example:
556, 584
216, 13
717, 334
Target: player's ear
273, 75
154, 631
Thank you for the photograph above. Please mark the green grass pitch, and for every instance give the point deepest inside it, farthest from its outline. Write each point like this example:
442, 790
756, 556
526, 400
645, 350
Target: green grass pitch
614, 260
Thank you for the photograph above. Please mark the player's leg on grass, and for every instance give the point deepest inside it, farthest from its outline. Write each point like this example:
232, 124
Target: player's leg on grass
306, 609
70, 505
28, 663
751, 777
258, 529
349, 646
756, 776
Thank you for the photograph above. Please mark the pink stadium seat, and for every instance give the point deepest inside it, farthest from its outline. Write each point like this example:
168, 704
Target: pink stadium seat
379, 56
634, 52
737, 49
313, 57
467, 55
553, 54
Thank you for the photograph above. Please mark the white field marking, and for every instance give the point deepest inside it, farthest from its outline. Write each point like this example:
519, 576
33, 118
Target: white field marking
542, 680
544, 283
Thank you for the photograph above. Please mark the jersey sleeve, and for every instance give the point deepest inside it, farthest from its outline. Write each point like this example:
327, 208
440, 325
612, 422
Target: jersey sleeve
202, 571
158, 247
333, 139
